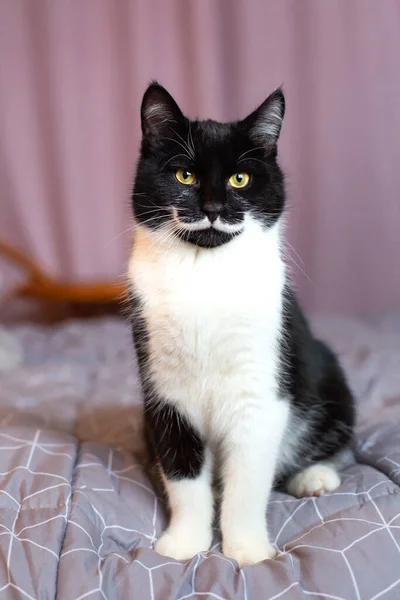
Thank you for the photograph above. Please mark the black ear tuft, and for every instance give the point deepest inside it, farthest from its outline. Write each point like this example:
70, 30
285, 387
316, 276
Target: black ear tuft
159, 111
265, 123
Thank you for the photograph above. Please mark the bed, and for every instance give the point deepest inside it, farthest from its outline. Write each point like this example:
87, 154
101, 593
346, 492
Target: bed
78, 512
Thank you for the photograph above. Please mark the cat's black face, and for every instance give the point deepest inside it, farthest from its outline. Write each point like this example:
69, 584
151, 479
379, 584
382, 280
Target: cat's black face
199, 180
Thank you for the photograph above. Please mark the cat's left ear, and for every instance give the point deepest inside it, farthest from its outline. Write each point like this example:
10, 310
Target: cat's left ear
265, 123
159, 112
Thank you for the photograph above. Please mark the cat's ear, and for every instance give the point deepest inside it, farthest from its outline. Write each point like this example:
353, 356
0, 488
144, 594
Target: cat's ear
159, 111
265, 123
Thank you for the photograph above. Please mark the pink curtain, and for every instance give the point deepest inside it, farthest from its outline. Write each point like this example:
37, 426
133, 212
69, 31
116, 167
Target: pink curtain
72, 73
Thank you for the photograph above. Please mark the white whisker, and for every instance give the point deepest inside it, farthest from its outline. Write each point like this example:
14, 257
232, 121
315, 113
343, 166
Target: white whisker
172, 158
248, 152
190, 139
187, 153
298, 266
252, 158
191, 152
296, 253
131, 228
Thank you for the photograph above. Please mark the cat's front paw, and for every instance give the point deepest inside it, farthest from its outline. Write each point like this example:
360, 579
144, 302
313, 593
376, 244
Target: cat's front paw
248, 550
183, 544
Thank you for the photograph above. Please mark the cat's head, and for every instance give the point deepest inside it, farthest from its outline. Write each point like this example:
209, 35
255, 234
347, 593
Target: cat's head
201, 180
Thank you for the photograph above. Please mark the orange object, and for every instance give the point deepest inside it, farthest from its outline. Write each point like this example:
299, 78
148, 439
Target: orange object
42, 286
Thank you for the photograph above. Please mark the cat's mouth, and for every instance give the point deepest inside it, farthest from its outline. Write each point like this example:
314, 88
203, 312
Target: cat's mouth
204, 233
204, 225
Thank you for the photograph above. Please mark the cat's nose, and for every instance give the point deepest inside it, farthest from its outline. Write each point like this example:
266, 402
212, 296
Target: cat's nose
212, 214
212, 209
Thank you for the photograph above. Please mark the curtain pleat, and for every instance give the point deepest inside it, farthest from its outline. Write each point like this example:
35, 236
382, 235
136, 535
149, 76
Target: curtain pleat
72, 74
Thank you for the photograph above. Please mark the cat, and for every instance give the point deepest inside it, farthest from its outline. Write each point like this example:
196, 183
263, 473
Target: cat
235, 385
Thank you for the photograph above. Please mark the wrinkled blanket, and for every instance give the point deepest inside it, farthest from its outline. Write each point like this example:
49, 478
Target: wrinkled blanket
79, 516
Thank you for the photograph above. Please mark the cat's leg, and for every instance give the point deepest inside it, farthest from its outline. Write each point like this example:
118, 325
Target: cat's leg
190, 528
318, 479
249, 459
186, 469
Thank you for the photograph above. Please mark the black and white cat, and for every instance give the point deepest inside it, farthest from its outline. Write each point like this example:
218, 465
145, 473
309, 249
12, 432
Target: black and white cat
233, 380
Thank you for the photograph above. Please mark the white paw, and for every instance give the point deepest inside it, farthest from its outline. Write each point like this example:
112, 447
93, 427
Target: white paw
248, 550
314, 481
183, 544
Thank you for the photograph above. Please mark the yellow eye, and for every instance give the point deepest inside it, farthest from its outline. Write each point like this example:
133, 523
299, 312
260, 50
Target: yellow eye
185, 177
239, 180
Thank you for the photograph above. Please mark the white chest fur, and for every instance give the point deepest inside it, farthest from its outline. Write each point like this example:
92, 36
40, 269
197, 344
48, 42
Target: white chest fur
213, 319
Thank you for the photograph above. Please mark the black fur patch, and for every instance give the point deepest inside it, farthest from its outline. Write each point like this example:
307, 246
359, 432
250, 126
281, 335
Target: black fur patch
172, 441
313, 380
176, 445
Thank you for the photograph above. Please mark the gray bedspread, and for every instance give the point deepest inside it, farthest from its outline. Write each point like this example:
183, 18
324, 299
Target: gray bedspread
79, 516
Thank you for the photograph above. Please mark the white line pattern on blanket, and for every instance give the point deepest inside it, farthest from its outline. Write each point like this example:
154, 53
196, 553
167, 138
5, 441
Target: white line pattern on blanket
80, 383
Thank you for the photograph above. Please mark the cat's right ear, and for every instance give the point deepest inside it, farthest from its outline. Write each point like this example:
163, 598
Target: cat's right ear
159, 112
